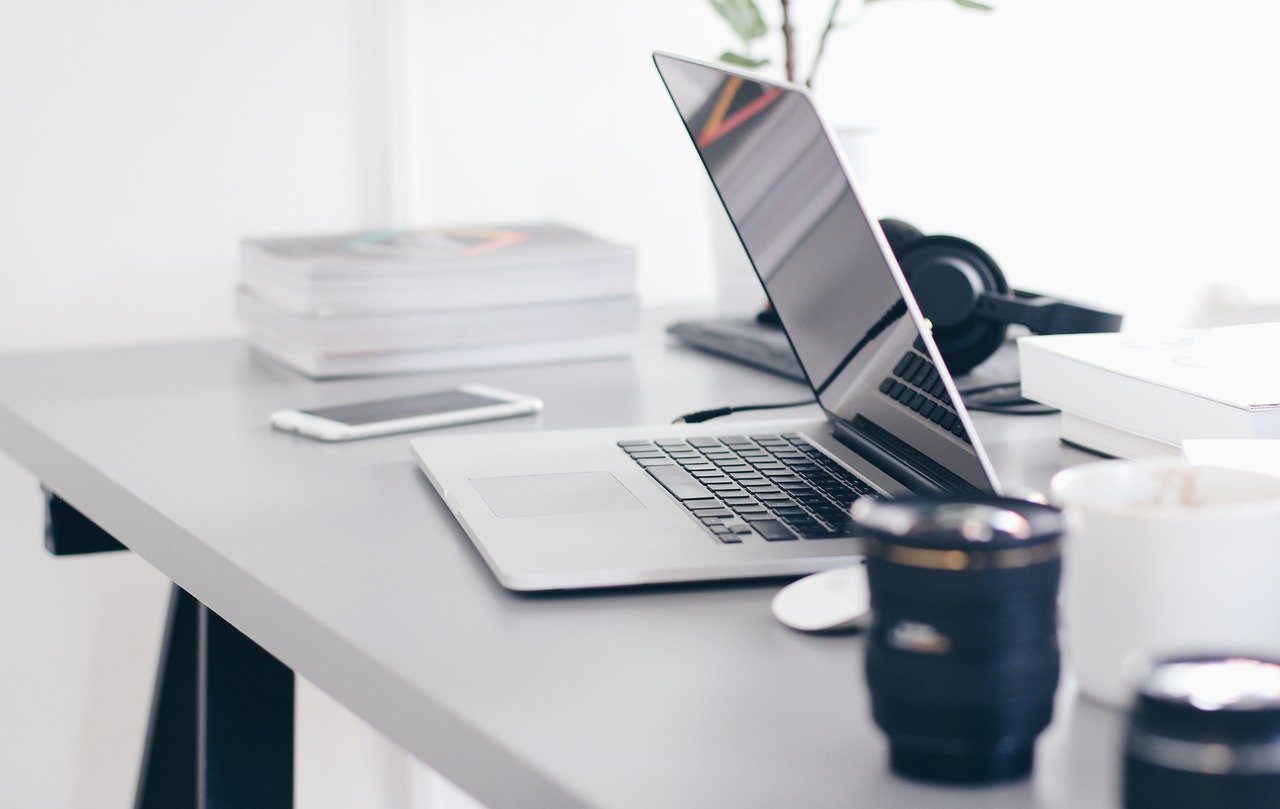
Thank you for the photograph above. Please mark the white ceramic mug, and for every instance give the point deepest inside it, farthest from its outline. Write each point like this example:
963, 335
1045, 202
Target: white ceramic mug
1163, 558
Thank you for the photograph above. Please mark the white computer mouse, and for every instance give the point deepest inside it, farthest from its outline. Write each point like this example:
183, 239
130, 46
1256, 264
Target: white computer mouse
830, 601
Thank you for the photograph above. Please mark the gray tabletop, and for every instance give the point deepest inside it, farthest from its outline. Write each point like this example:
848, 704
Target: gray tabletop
342, 562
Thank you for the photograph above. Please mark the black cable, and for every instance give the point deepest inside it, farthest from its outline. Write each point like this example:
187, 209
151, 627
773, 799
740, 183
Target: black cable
986, 388
1016, 406
1005, 410
715, 413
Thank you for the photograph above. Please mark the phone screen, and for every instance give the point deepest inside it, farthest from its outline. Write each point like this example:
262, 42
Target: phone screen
425, 404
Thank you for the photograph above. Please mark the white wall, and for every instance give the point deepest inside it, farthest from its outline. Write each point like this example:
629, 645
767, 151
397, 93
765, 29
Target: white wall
553, 108
1117, 151
1121, 151
1097, 149
138, 138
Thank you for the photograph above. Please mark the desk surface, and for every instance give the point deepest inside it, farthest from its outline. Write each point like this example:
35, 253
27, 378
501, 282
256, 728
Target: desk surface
342, 562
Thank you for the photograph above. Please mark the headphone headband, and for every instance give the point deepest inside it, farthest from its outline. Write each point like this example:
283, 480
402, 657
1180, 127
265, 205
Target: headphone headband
964, 292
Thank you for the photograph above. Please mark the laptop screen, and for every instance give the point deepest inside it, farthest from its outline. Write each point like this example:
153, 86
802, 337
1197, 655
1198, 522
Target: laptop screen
819, 256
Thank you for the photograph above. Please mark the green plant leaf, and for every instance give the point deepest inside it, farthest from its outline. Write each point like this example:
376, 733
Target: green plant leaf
974, 5
743, 17
731, 58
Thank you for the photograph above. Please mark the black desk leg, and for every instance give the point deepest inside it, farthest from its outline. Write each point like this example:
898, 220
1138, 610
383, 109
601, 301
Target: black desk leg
220, 734
168, 776
245, 722
221, 728
67, 532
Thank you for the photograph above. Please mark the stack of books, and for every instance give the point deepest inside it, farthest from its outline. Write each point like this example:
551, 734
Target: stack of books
1134, 395
387, 302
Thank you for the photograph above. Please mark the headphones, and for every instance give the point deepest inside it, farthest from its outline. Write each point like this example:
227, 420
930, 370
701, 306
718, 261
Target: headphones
964, 294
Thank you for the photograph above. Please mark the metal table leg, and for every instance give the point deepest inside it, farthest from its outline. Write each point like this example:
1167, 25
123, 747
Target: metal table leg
167, 779
220, 734
244, 747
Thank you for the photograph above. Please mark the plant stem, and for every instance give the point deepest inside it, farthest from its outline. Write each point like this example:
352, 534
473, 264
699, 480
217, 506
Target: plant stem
822, 41
788, 40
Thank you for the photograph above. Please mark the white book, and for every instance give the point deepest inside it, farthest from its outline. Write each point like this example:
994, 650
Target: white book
325, 366
574, 280
420, 331
1113, 442
401, 253
1166, 386
1256, 456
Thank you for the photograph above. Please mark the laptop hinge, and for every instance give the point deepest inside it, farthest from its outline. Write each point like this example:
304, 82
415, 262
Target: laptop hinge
896, 469
916, 479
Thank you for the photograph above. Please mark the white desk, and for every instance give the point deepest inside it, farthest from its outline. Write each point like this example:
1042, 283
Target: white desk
341, 562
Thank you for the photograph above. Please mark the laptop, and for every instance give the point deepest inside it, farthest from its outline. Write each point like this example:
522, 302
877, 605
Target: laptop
553, 510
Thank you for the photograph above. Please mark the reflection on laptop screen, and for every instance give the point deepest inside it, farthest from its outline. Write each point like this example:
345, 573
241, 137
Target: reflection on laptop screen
820, 262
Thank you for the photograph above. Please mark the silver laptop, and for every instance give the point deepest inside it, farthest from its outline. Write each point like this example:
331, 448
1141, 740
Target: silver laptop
599, 508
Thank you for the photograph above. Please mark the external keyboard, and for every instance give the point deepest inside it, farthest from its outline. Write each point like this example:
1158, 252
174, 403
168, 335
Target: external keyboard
771, 487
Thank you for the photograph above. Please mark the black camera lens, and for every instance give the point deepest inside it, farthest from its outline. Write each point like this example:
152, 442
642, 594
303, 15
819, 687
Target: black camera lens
1205, 732
962, 655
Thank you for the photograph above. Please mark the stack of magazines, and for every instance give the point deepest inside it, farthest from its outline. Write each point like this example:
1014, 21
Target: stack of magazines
385, 302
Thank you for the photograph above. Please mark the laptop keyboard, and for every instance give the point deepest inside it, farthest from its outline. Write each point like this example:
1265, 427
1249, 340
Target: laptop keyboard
915, 384
774, 487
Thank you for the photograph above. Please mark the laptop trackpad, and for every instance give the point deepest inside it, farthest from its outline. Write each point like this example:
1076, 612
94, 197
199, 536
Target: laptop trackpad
562, 493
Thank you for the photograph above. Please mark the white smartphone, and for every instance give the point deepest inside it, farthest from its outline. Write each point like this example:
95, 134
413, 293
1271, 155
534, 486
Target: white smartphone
423, 411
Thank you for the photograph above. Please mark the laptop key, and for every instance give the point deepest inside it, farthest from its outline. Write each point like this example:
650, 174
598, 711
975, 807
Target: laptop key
680, 483
771, 530
702, 505
781, 486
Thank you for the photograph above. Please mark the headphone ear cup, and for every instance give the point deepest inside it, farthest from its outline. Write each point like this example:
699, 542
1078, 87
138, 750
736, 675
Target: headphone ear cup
948, 275
899, 234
